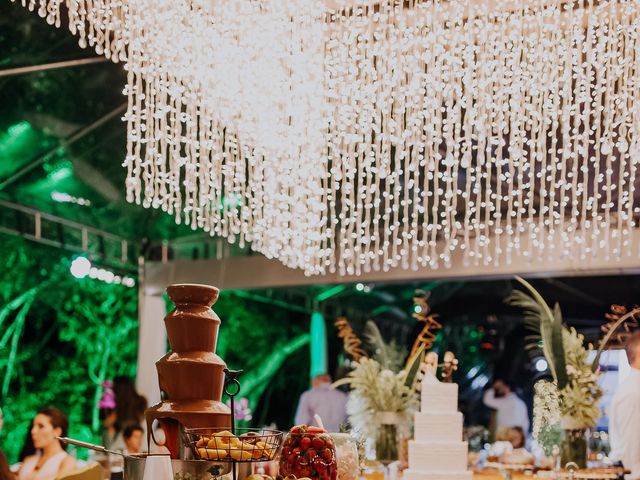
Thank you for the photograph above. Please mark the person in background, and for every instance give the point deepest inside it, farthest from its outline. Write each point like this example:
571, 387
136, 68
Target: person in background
322, 400
50, 460
517, 438
624, 414
130, 407
27, 447
109, 432
5, 471
107, 409
511, 411
133, 436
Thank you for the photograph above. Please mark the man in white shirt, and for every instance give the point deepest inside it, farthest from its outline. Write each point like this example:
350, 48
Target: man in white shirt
511, 411
328, 403
624, 414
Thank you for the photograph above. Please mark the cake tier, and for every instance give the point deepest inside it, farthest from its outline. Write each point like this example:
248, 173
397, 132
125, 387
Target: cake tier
439, 397
431, 457
438, 427
191, 375
411, 474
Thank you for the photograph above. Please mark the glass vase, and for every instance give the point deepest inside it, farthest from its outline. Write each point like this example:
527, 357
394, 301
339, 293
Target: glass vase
386, 444
574, 447
386, 441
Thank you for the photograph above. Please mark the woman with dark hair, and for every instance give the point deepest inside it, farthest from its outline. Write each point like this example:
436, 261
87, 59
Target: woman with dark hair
130, 407
516, 436
27, 446
50, 460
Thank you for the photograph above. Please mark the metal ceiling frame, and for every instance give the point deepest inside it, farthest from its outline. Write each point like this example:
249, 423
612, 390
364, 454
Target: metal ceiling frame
6, 72
93, 242
80, 133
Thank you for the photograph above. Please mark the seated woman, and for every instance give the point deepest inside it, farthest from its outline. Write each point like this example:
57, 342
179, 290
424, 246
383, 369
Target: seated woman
50, 460
516, 436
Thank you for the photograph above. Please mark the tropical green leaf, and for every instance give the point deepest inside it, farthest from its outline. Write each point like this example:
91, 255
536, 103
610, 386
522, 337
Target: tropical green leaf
413, 366
557, 347
538, 318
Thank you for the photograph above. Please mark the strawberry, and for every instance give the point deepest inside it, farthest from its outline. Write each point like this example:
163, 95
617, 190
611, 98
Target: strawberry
299, 429
327, 455
304, 472
329, 444
334, 474
318, 443
305, 443
315, 430
311, 454
319, 466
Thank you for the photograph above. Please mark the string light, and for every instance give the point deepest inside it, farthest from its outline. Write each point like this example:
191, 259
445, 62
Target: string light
81, 267
62, 197
355, 136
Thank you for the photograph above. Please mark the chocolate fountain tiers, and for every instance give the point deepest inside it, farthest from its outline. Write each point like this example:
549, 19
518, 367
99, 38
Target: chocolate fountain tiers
191, 375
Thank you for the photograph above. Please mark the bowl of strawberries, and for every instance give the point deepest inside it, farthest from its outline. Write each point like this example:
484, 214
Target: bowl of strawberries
308, 452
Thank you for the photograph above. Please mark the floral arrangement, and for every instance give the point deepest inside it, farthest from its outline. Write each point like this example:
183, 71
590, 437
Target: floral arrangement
546, 416
242, 410
376, 390
108, 398
382, 396
574, 378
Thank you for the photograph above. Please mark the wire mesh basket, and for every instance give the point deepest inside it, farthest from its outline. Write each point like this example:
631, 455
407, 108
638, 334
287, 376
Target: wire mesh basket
246, 445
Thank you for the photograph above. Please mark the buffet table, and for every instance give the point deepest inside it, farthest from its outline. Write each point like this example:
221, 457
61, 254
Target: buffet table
589, 474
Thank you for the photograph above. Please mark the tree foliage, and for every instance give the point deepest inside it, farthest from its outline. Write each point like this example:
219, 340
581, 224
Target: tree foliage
60, 338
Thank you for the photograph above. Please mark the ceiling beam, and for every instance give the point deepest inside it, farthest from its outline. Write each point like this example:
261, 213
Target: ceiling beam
257, 271
6, 72
82, 132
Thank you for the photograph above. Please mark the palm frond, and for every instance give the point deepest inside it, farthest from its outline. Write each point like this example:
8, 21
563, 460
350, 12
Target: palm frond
541, 320
557, 346
531, 309
413, 366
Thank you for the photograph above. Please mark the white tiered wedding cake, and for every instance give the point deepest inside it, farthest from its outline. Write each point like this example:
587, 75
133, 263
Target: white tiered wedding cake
438, 452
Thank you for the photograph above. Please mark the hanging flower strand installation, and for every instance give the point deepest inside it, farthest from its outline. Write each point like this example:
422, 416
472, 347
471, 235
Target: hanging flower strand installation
357, 135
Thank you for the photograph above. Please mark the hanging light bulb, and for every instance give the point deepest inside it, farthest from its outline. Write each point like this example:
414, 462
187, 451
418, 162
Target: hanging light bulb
353, 136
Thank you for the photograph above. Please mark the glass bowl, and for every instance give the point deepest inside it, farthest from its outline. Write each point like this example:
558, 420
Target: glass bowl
346, 456
309, 452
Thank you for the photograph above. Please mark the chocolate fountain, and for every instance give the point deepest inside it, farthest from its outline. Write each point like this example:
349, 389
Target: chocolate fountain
191, 375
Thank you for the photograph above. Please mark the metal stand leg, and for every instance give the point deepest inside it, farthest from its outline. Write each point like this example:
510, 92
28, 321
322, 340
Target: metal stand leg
232, 381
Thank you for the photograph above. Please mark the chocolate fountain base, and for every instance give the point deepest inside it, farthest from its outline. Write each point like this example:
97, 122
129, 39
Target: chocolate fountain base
182, 469
174, 417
